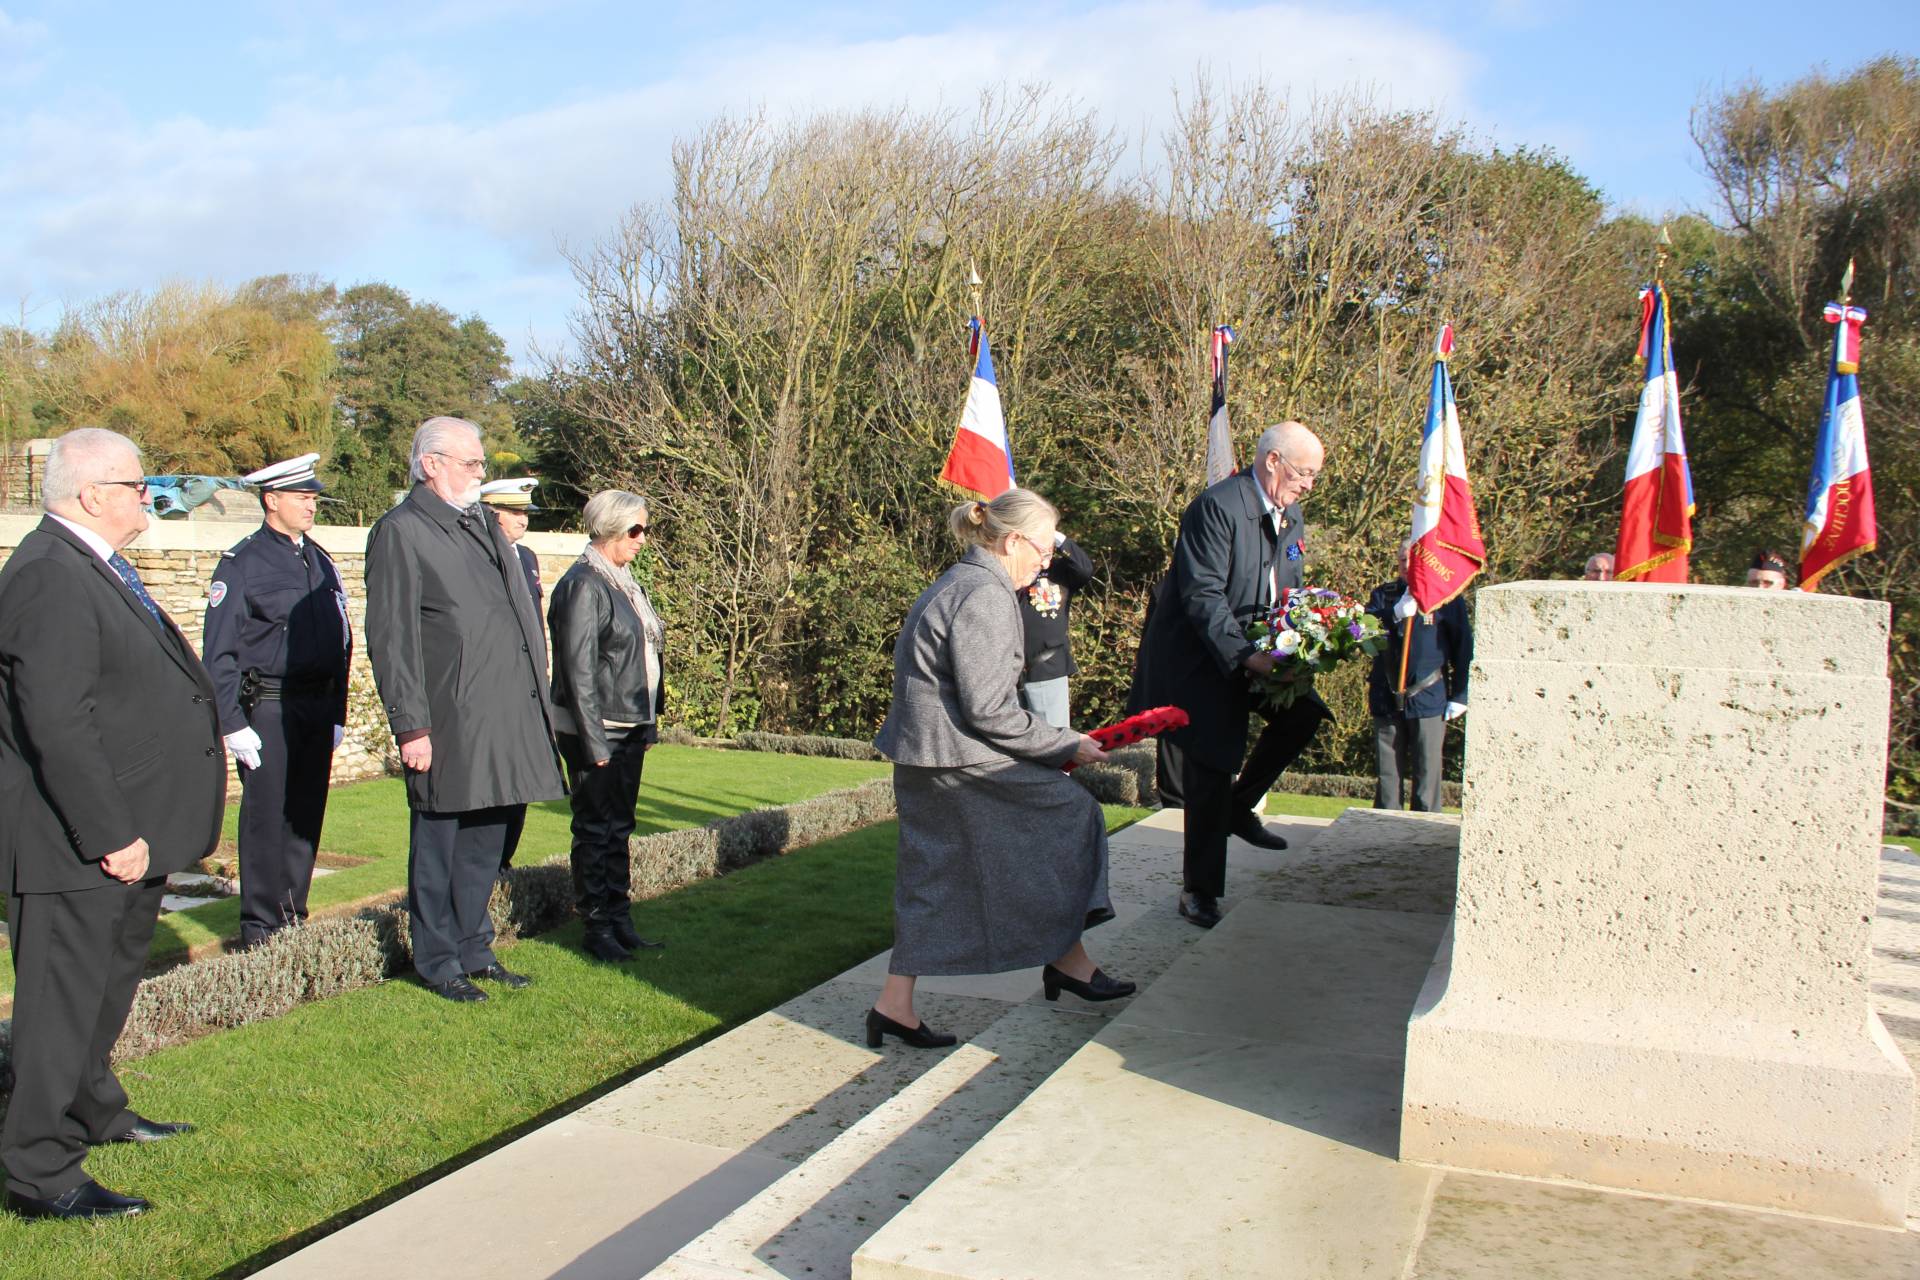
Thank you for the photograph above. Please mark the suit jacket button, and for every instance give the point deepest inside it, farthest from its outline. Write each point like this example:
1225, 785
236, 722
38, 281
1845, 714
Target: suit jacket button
210, 751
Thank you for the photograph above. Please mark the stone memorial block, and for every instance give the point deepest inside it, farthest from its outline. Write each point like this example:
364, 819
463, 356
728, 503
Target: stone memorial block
1657, 974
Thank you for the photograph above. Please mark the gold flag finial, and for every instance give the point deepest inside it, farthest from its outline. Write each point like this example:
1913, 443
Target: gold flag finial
1661, 249
1846, 284
974, 284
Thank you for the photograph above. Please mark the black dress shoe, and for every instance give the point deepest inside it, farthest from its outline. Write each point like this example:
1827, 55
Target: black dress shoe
1200, 909
1247, 825
629, 937
145, 1130
920, 1037
1098, 987
598, 941
88, 1200
458, 989
497, 972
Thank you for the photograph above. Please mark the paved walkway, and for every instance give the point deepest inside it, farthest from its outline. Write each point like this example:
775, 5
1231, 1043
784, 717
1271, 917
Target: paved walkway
1238, 1118
778, 1148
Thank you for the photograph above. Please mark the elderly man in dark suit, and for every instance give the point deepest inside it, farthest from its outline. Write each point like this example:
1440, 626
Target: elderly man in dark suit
1241, 543
1410, 727
111, 776
460, 660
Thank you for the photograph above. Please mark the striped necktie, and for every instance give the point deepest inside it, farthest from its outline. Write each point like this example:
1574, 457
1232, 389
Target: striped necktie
131, 576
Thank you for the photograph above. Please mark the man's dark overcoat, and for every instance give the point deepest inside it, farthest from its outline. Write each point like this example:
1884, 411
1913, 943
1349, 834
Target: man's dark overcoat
457, 649
1196, 640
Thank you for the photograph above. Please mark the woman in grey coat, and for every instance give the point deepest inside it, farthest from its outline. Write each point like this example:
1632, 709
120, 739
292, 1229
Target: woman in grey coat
1003, 858
607, 695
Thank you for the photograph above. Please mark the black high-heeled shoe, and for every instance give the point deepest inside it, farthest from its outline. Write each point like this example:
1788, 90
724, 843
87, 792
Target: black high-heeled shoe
920, 1037
1099, 987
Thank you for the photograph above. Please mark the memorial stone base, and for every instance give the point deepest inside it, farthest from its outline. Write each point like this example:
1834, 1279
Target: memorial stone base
1657, 978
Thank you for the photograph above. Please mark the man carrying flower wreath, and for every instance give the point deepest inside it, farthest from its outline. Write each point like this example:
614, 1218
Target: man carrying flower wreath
1240, 545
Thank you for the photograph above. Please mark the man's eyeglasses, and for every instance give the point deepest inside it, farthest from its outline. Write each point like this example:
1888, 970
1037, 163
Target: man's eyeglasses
474, 466
1300, 473
1045, 553
138, 486
637, 531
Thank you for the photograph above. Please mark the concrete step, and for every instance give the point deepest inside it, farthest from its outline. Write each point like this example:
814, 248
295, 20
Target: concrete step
1241, 1119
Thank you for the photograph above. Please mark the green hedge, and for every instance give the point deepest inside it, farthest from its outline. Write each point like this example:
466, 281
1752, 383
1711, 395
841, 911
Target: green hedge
331, 955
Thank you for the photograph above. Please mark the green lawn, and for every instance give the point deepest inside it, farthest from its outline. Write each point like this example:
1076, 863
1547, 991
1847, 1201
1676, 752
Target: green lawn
682, 787
342, 1105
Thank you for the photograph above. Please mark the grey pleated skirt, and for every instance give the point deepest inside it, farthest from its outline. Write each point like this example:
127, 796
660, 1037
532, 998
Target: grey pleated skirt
1002, 866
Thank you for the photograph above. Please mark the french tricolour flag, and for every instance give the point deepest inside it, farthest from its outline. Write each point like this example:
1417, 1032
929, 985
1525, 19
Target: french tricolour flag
1840, 523
1656, 518
1447, 548
981, 458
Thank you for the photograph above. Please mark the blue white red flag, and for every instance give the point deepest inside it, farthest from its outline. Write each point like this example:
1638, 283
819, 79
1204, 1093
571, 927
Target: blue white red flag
982, 457
1840, 520
1447, 547
1656, 516
1220, 460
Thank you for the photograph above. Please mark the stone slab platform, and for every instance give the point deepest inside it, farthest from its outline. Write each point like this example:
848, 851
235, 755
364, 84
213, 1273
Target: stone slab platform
1241, 1119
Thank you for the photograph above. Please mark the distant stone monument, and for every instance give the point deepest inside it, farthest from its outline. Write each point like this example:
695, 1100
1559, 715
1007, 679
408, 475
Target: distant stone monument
1657, 974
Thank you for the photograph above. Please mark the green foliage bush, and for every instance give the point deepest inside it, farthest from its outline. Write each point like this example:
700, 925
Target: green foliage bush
808, 744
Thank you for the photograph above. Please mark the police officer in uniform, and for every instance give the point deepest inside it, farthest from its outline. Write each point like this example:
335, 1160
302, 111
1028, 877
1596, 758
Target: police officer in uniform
277, 644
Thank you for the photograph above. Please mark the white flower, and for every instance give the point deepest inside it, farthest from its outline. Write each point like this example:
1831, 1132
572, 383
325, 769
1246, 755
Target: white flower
1287, 643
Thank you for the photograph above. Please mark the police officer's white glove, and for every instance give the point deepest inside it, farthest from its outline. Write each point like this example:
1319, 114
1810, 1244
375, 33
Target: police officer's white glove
245, 745
1407, 607
1455, 710
339, 732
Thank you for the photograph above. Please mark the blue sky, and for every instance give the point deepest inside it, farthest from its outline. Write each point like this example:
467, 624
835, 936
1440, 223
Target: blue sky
452, 150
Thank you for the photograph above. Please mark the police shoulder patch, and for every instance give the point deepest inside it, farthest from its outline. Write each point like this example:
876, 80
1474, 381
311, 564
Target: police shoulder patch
216, 593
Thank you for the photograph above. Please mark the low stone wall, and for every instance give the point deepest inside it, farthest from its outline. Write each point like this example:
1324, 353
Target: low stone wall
176, 560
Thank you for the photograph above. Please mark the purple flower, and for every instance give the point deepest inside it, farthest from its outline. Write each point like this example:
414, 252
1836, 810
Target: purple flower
1355, 630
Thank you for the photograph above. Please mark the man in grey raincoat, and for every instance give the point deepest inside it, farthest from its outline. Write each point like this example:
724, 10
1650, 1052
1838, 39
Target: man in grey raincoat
460, 660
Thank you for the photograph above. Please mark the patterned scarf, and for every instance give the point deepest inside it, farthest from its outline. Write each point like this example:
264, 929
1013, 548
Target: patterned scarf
636, 595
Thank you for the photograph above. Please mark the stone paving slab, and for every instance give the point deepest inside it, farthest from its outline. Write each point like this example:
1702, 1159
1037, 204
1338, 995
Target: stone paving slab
808, 1224
1158, 1154
1277, 1135
572, 1200
1486, 1228
1145, 867
788, 1082
1391, 860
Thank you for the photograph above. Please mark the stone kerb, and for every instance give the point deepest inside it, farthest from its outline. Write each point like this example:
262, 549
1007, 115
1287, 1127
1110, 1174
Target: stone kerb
1658, 972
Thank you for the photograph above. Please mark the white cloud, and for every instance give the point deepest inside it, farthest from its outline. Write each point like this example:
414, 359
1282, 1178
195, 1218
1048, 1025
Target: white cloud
344, 172
22, 43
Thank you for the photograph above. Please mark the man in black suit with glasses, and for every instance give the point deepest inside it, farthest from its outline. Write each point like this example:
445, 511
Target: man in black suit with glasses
111, 776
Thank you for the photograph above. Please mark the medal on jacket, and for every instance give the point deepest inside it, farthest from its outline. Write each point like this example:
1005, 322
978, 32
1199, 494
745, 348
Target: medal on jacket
1046, 597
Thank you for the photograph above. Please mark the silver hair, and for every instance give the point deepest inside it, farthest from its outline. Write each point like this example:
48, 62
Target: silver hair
1598, 556
79, 458
985, 524
433, 436
1279, 438
612, 511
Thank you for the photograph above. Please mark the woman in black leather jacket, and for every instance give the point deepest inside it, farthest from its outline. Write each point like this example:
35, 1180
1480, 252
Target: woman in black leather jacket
607, 695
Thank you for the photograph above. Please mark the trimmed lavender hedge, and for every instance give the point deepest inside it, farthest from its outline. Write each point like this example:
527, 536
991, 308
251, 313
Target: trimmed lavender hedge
336, 954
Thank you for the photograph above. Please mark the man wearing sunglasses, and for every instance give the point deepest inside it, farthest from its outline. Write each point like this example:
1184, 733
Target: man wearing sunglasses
111, 776
460, 659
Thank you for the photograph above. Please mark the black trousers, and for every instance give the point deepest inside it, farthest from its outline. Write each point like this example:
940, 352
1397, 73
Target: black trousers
603, 799
453, 860
1213, 799
282, 806
77, 959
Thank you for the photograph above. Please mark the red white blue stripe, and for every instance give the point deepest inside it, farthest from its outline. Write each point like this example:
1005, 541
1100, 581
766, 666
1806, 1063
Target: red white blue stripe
1840, 517
1656, 516
1447, 548
981, 459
